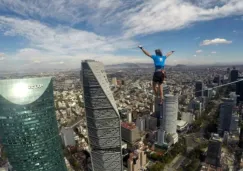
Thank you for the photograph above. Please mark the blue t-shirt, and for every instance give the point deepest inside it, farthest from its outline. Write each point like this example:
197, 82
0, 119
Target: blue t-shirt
159, 61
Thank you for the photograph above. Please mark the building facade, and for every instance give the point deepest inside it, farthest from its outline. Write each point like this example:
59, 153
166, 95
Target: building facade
68, 135
228, 119
28, 126
103, 119
214, 153
234, 75
199, 89
141, 123
129, 132
170, 114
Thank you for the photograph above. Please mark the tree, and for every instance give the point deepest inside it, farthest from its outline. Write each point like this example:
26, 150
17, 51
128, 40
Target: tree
157, 167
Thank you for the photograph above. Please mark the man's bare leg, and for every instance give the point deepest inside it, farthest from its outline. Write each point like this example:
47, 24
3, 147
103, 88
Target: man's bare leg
161, 93
155, 89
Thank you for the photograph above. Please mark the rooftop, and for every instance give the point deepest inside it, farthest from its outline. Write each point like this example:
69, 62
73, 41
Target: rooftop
128, 125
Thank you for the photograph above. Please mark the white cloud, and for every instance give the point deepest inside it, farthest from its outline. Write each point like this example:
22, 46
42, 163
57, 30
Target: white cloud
213, 52
199, 51
194, 55
61, 40
129, 17
156, 15
113, 23
215, 41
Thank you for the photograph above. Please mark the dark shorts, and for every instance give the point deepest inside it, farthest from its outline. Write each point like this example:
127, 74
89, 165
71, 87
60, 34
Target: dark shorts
158, 77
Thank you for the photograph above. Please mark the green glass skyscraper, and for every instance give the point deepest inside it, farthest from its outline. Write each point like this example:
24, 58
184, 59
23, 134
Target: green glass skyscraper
28, 126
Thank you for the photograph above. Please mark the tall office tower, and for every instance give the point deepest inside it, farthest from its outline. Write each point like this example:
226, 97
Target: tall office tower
159, 108
214, 153
28, 126
166, 90
103, 120
225, 118
241, 129
234, 75
239, 90
170, 110
199, 88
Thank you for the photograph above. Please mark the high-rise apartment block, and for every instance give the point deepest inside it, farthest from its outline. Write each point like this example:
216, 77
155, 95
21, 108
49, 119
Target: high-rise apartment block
103, 120
28, 126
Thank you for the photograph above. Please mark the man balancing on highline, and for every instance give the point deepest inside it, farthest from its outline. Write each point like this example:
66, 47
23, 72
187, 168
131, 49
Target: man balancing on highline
159, 74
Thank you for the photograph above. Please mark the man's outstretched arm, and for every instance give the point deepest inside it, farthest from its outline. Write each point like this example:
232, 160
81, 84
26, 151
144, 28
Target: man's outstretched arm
169, 53
144, 51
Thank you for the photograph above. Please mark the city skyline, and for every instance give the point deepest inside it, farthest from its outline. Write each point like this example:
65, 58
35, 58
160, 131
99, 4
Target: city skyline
58, 34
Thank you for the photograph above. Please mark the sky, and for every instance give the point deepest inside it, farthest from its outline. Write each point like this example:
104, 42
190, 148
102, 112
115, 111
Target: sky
60, 33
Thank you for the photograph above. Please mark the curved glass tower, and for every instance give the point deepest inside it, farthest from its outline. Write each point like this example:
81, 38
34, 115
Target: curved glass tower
28, 126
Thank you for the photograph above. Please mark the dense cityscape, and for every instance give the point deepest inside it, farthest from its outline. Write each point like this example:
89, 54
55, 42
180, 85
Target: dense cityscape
108, 119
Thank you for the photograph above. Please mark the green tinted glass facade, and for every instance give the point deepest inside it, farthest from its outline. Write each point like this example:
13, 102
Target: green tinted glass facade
28, 126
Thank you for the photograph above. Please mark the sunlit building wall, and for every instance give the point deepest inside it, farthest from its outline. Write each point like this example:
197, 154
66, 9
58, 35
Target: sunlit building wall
28, 126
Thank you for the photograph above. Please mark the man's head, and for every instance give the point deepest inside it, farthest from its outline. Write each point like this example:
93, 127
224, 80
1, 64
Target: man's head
158, 52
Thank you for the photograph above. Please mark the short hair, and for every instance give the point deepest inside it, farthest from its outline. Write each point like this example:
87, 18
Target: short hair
158, 52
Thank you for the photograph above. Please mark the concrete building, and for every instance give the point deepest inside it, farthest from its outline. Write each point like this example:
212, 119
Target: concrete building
152, 123
137, 161
129, 132
226, 137
170, 110
214, 153
181, 125
161, 137
68, 135
103, 119
196, 105
114, 81
188, 117
129, 117
140, 123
